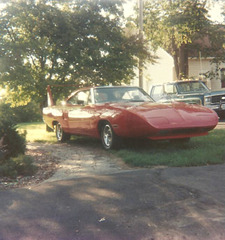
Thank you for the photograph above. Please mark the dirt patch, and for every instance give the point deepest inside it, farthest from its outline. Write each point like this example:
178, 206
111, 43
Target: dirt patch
65, 161
79, 160
47, 166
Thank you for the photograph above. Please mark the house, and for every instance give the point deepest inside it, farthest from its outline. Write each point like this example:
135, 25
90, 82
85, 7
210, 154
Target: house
163, 71
159, 72
198, 66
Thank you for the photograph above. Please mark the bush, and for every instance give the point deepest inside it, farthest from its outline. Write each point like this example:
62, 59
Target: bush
12, 143
20, 165
13, 162
15, 143
29, 113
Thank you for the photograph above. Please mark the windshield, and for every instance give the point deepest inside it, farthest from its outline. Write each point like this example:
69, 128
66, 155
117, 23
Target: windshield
121, 94
192, 87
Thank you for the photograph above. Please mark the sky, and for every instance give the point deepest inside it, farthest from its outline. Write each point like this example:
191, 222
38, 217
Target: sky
215, 12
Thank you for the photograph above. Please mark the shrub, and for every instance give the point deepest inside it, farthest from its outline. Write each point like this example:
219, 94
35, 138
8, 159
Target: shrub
13, 162
15, 143
29, 113
20, 165
12, 143
8, 170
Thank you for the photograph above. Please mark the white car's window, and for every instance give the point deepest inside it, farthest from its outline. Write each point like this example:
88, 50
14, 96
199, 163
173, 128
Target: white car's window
157, 92
170, 89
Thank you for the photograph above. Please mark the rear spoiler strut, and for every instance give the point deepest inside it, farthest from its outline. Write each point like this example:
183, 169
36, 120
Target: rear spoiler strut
49, 97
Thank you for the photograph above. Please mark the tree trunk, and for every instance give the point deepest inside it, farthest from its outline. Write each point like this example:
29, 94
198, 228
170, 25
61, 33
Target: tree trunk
183, 62
176, 65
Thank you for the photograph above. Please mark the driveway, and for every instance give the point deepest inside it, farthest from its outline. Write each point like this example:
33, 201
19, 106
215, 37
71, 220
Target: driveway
94, 196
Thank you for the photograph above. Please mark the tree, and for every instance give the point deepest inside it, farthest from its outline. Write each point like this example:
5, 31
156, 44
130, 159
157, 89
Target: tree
219, 41
44, 42
175, 25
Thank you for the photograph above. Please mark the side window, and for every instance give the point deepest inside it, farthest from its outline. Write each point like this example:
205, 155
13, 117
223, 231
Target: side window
170, 89
80, 98
157, 92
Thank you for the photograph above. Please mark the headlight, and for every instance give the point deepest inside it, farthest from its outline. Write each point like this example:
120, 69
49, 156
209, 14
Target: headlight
207, 100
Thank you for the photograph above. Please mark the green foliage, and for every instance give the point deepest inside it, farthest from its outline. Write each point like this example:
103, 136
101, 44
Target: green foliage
13, 162
15, 142
21, 165
12, 143
175, 26
7, 118
180, 20
72, 43
28, 113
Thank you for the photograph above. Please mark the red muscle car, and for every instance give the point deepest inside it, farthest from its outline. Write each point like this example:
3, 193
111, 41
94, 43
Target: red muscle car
112, 113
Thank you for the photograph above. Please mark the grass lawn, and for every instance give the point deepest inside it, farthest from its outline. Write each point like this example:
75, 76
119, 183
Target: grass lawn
199, 151
36, 132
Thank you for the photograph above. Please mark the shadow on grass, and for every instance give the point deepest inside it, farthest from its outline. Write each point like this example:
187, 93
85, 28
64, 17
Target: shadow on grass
82, 141
139, 145
198, 151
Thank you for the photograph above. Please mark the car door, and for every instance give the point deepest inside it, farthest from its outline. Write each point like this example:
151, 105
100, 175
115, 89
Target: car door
79, 112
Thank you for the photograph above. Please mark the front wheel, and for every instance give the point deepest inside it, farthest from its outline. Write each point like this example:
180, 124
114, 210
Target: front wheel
60, 134
108, 137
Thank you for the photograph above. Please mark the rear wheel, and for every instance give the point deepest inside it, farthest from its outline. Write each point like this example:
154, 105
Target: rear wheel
108, 137
60, 134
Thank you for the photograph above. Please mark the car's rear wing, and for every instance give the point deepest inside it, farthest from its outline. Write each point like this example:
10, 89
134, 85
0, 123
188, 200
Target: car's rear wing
49, 97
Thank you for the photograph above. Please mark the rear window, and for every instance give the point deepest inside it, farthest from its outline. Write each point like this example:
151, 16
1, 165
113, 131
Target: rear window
194, 87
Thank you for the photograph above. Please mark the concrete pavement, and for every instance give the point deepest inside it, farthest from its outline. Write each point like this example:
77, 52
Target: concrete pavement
154, 204
100, 199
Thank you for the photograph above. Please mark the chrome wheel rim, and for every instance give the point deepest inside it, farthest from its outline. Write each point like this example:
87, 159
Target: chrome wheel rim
59, 132
107, 136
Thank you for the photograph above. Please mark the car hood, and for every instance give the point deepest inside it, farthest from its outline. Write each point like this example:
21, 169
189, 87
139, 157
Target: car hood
172, 115
214, 93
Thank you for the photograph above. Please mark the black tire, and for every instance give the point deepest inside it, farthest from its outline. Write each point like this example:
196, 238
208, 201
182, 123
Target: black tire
108, 137
60, 134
